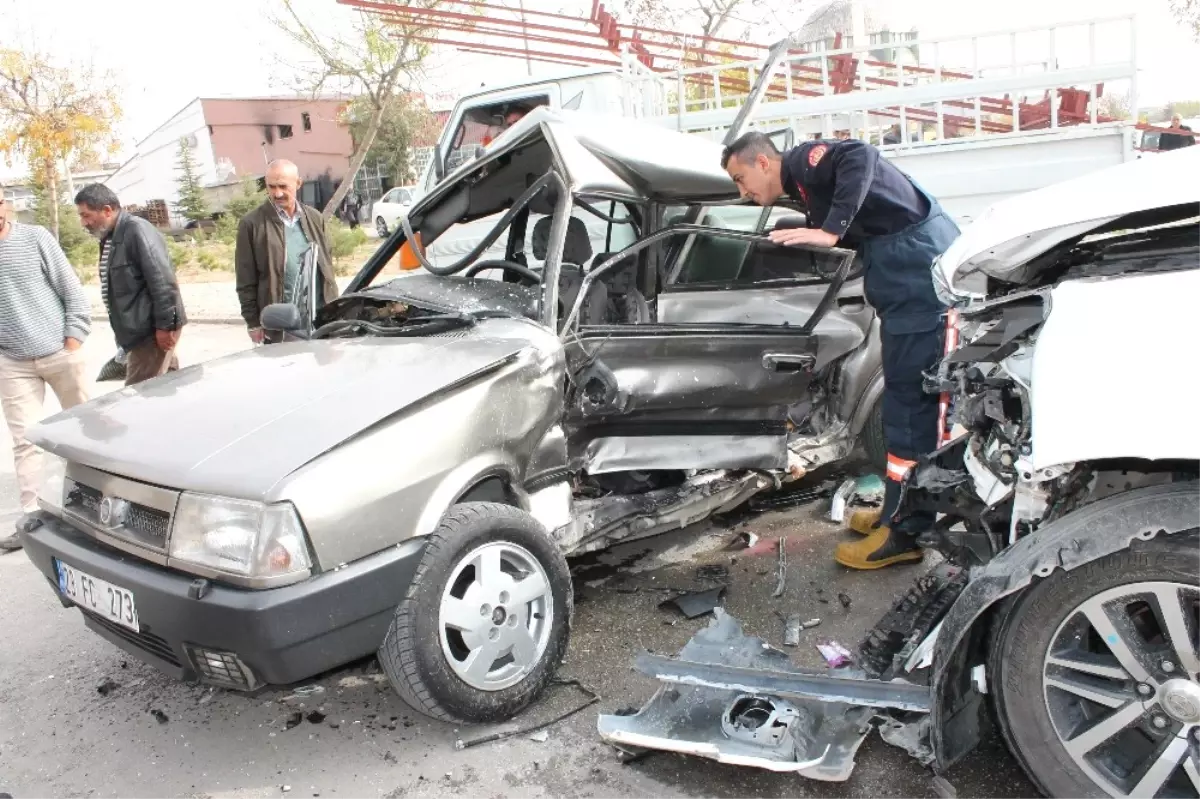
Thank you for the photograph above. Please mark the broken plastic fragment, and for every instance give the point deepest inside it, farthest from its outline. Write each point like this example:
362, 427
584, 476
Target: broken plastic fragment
715, 571
791, 630
834, 653
742, 540
696, 603
867, 489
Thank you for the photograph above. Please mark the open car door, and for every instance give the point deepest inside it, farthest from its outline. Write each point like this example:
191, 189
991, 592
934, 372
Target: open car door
289, 321
701, 387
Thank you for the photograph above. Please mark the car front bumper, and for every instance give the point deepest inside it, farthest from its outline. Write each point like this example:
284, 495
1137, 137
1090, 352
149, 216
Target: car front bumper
234, 637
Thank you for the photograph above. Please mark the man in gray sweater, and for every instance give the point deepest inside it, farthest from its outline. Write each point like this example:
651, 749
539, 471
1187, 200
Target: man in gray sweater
44, 319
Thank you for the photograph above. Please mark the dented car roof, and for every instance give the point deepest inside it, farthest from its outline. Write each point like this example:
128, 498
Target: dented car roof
620, 158
1018, 229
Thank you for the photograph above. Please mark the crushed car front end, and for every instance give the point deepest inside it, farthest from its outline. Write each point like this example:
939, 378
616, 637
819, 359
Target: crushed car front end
1066, 603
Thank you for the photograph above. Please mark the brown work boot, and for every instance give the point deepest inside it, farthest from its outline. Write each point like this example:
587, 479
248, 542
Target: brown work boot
881, 547
864, 521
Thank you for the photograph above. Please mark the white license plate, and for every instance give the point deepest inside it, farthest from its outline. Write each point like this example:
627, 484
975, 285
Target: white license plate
109, 601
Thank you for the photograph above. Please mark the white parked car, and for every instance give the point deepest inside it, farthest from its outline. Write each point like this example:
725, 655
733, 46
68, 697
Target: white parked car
387, 209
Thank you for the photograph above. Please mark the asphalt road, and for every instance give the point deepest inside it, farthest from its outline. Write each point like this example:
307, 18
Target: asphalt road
78, 717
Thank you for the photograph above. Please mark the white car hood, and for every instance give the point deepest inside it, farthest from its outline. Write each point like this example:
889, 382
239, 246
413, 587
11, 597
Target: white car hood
1018, 229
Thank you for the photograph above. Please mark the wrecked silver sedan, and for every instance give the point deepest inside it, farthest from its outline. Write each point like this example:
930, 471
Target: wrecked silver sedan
407, 470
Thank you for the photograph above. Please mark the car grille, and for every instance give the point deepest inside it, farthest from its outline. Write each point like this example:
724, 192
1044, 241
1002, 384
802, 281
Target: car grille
141, 524
146, 641
118, 509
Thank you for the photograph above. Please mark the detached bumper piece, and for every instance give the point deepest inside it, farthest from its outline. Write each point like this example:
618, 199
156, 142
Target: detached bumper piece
735, 699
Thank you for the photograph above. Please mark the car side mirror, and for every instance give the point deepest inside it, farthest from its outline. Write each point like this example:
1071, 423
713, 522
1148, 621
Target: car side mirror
282, 316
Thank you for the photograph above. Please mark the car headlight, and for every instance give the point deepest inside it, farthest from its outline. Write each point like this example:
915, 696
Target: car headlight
53, 483
238, 536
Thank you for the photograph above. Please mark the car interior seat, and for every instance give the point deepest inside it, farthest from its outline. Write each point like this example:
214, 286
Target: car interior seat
577, 251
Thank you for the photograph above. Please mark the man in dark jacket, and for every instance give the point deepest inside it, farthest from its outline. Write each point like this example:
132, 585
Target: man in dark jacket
854, 197
1176, 141
137, 282
271, 243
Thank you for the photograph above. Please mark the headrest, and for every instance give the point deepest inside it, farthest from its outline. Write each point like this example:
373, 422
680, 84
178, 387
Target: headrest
578, 247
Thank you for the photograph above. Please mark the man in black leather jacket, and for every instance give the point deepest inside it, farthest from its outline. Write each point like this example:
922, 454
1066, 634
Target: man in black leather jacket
137, 282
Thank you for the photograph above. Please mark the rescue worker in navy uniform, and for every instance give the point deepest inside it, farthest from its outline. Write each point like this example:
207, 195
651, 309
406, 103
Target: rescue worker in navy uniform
855, 198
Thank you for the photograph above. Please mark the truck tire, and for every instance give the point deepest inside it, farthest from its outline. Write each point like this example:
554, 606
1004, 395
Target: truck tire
872, 437
484, 624
1081, 719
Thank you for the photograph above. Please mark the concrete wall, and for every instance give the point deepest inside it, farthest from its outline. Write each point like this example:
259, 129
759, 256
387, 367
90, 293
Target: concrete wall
247, 132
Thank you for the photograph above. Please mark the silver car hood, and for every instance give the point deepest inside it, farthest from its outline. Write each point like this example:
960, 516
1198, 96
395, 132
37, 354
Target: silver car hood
237, 425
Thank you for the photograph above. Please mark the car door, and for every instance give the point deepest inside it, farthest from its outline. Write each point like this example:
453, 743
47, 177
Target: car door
708, 384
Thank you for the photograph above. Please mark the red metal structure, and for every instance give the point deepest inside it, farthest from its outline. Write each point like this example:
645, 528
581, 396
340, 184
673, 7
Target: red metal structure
600, 39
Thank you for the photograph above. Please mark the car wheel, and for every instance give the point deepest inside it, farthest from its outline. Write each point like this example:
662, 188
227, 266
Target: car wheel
1095, 674
485, 621
873, 441
381, 227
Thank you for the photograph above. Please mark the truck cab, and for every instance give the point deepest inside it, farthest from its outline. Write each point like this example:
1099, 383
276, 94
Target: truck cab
479, 118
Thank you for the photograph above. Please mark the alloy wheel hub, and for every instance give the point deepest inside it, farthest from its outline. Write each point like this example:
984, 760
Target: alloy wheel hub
1119, 682
1180, 699
496, 616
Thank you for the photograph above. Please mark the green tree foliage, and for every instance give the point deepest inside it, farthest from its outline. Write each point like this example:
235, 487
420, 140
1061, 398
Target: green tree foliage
1188, 14
343, 241
192, 202
50, 114
81, 248
404, 124
242, 203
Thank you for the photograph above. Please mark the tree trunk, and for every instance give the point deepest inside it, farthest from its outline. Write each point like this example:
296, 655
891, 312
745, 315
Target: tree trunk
52, 184
70, 179
360, 155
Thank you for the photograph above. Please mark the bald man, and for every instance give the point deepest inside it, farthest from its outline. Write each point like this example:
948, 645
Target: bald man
271, 244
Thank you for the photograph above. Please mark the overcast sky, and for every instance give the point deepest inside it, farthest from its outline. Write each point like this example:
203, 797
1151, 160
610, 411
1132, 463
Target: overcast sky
164, 53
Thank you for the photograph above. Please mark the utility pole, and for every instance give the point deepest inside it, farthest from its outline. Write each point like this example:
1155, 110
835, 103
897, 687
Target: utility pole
525, 38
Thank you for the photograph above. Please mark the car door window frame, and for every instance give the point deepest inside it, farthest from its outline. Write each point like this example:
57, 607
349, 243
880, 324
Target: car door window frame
833, 283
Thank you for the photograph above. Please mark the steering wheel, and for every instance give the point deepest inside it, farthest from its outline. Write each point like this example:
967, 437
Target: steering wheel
503, 265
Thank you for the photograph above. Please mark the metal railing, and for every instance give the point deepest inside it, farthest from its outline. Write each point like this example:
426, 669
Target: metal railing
1008, 81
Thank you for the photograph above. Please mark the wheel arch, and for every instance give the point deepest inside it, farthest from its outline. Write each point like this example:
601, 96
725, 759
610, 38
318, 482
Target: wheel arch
1090, 533
489, 473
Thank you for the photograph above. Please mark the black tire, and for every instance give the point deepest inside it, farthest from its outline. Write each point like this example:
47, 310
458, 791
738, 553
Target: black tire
411, 652
381, 228
872, 437
1023, 632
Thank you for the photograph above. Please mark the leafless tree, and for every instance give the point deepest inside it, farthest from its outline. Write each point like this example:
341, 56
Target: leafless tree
372, 55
